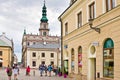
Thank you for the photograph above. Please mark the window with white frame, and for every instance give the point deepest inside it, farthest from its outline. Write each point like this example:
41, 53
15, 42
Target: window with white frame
42, 62
43, 54
52, 55
66, 28
110, 4
52, 62
79, 17
92, 10
33, 63
33, 54
1, 53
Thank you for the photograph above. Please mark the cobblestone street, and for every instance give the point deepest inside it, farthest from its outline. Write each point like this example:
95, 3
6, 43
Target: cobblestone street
22, 76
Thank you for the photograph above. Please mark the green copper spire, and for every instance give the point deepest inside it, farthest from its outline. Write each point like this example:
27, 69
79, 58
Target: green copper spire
24, 31
44, 18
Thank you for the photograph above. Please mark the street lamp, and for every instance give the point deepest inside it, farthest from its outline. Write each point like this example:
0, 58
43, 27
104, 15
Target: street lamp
91, 23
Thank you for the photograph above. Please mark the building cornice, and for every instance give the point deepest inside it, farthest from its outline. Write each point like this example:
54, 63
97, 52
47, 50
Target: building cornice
70, 8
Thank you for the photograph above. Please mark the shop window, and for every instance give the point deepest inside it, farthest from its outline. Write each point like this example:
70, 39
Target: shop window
79, 59
72, 60
108, 58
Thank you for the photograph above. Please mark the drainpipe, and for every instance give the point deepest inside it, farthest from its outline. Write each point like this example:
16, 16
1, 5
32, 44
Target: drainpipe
62, 66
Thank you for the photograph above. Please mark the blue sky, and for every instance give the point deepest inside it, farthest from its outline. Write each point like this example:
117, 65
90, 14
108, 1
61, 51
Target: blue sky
17, 15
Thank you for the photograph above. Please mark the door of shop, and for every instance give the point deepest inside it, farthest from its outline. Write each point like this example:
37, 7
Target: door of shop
92, 69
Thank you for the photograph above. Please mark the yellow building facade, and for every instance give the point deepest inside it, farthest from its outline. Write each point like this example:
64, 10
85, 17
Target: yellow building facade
6, 51
5, 57
91, 38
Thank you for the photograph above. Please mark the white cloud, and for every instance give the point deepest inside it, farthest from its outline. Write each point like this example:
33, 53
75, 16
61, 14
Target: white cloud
16, 15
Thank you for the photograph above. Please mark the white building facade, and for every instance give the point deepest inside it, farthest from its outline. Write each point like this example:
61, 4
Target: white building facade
40, 48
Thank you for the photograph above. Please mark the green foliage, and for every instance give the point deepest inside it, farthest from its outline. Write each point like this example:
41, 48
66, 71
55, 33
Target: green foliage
59, 70
65, 70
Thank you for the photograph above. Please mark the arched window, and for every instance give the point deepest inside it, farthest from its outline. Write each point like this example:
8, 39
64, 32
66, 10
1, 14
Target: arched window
44, 26
72, 59
44, 33
108, 58
79, 59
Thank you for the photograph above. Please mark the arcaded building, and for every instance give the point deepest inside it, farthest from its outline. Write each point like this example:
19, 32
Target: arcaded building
91, 39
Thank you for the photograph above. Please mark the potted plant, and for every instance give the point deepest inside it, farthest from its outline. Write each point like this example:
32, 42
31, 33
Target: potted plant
65, 73
59, 72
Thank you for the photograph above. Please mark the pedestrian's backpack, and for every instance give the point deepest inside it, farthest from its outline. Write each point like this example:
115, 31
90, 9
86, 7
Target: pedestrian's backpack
7, 70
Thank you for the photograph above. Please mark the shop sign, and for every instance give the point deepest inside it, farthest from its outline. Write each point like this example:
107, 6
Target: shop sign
95, 43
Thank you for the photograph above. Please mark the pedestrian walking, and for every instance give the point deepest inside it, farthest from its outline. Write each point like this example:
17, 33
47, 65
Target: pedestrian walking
50, 69
41, 68
9, 72
15, 72
28, 71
